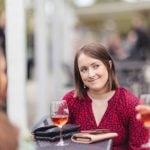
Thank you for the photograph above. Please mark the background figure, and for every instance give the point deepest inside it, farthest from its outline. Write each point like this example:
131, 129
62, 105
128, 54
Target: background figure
2, 33
9, 134
116, 47
3, 77
138, 39
3, 80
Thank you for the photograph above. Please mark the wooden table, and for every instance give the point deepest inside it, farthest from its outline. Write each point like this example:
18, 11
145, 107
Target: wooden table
46, 145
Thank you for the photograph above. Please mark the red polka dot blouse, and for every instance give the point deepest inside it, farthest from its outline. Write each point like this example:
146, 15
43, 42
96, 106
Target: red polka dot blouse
119, 117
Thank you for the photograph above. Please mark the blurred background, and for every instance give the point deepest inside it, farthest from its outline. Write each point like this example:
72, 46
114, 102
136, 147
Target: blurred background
42, 36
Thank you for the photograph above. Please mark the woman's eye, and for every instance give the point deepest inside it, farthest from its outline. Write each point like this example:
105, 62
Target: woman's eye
84, 70
95, 66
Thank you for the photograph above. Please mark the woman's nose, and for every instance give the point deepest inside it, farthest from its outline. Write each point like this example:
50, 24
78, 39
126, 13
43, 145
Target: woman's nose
91, 73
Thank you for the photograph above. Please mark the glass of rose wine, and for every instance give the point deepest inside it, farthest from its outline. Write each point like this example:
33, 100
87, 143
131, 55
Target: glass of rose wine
59, 115
145, 99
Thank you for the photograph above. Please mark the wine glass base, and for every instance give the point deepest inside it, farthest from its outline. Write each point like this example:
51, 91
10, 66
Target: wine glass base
146, 145
62, 143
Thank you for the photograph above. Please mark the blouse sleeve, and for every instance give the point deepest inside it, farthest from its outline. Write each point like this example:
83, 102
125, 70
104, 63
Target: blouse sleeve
137, 133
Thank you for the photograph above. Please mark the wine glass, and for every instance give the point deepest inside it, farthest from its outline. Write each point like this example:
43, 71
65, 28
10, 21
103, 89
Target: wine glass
145, 99
59, 115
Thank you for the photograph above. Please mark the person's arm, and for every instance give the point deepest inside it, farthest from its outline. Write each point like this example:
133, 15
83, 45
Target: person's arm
142, 109
138, 135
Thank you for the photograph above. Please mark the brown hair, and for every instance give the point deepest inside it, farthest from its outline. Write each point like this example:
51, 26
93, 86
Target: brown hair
99, 52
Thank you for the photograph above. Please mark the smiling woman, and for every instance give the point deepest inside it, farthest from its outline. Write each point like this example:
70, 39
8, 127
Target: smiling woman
99, 102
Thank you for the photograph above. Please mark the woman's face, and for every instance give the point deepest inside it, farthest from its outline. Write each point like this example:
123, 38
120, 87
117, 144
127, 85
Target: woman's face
93, 72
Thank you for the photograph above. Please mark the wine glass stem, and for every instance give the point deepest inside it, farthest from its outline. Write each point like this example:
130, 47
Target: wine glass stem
61, 137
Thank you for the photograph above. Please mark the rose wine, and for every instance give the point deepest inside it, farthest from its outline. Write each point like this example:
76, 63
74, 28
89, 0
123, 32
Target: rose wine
146, 119
59, 120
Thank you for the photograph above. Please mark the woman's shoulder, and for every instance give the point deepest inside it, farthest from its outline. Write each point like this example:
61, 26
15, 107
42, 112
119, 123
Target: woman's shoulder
69, 95
72, 100
127, 97
125, 102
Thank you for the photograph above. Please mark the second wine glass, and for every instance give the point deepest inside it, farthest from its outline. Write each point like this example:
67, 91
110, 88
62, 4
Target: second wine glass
59, 115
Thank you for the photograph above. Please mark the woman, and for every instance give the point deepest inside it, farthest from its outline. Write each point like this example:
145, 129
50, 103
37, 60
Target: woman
98, 102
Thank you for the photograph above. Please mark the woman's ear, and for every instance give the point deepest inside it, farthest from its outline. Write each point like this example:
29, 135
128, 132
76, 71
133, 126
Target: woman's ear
110, 64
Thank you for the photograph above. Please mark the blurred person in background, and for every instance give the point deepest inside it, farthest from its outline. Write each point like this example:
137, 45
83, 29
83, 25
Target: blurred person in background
3, 67
9, 134
99, 102
3, 79
138, 39
2, 33
116, 48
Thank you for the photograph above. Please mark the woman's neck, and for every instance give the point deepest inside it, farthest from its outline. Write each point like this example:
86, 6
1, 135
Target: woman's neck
100, 95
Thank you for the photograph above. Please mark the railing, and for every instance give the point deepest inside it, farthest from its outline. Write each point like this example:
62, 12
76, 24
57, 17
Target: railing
131, 74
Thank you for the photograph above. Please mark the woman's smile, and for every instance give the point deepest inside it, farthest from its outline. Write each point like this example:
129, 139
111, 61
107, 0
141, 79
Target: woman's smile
93, 80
